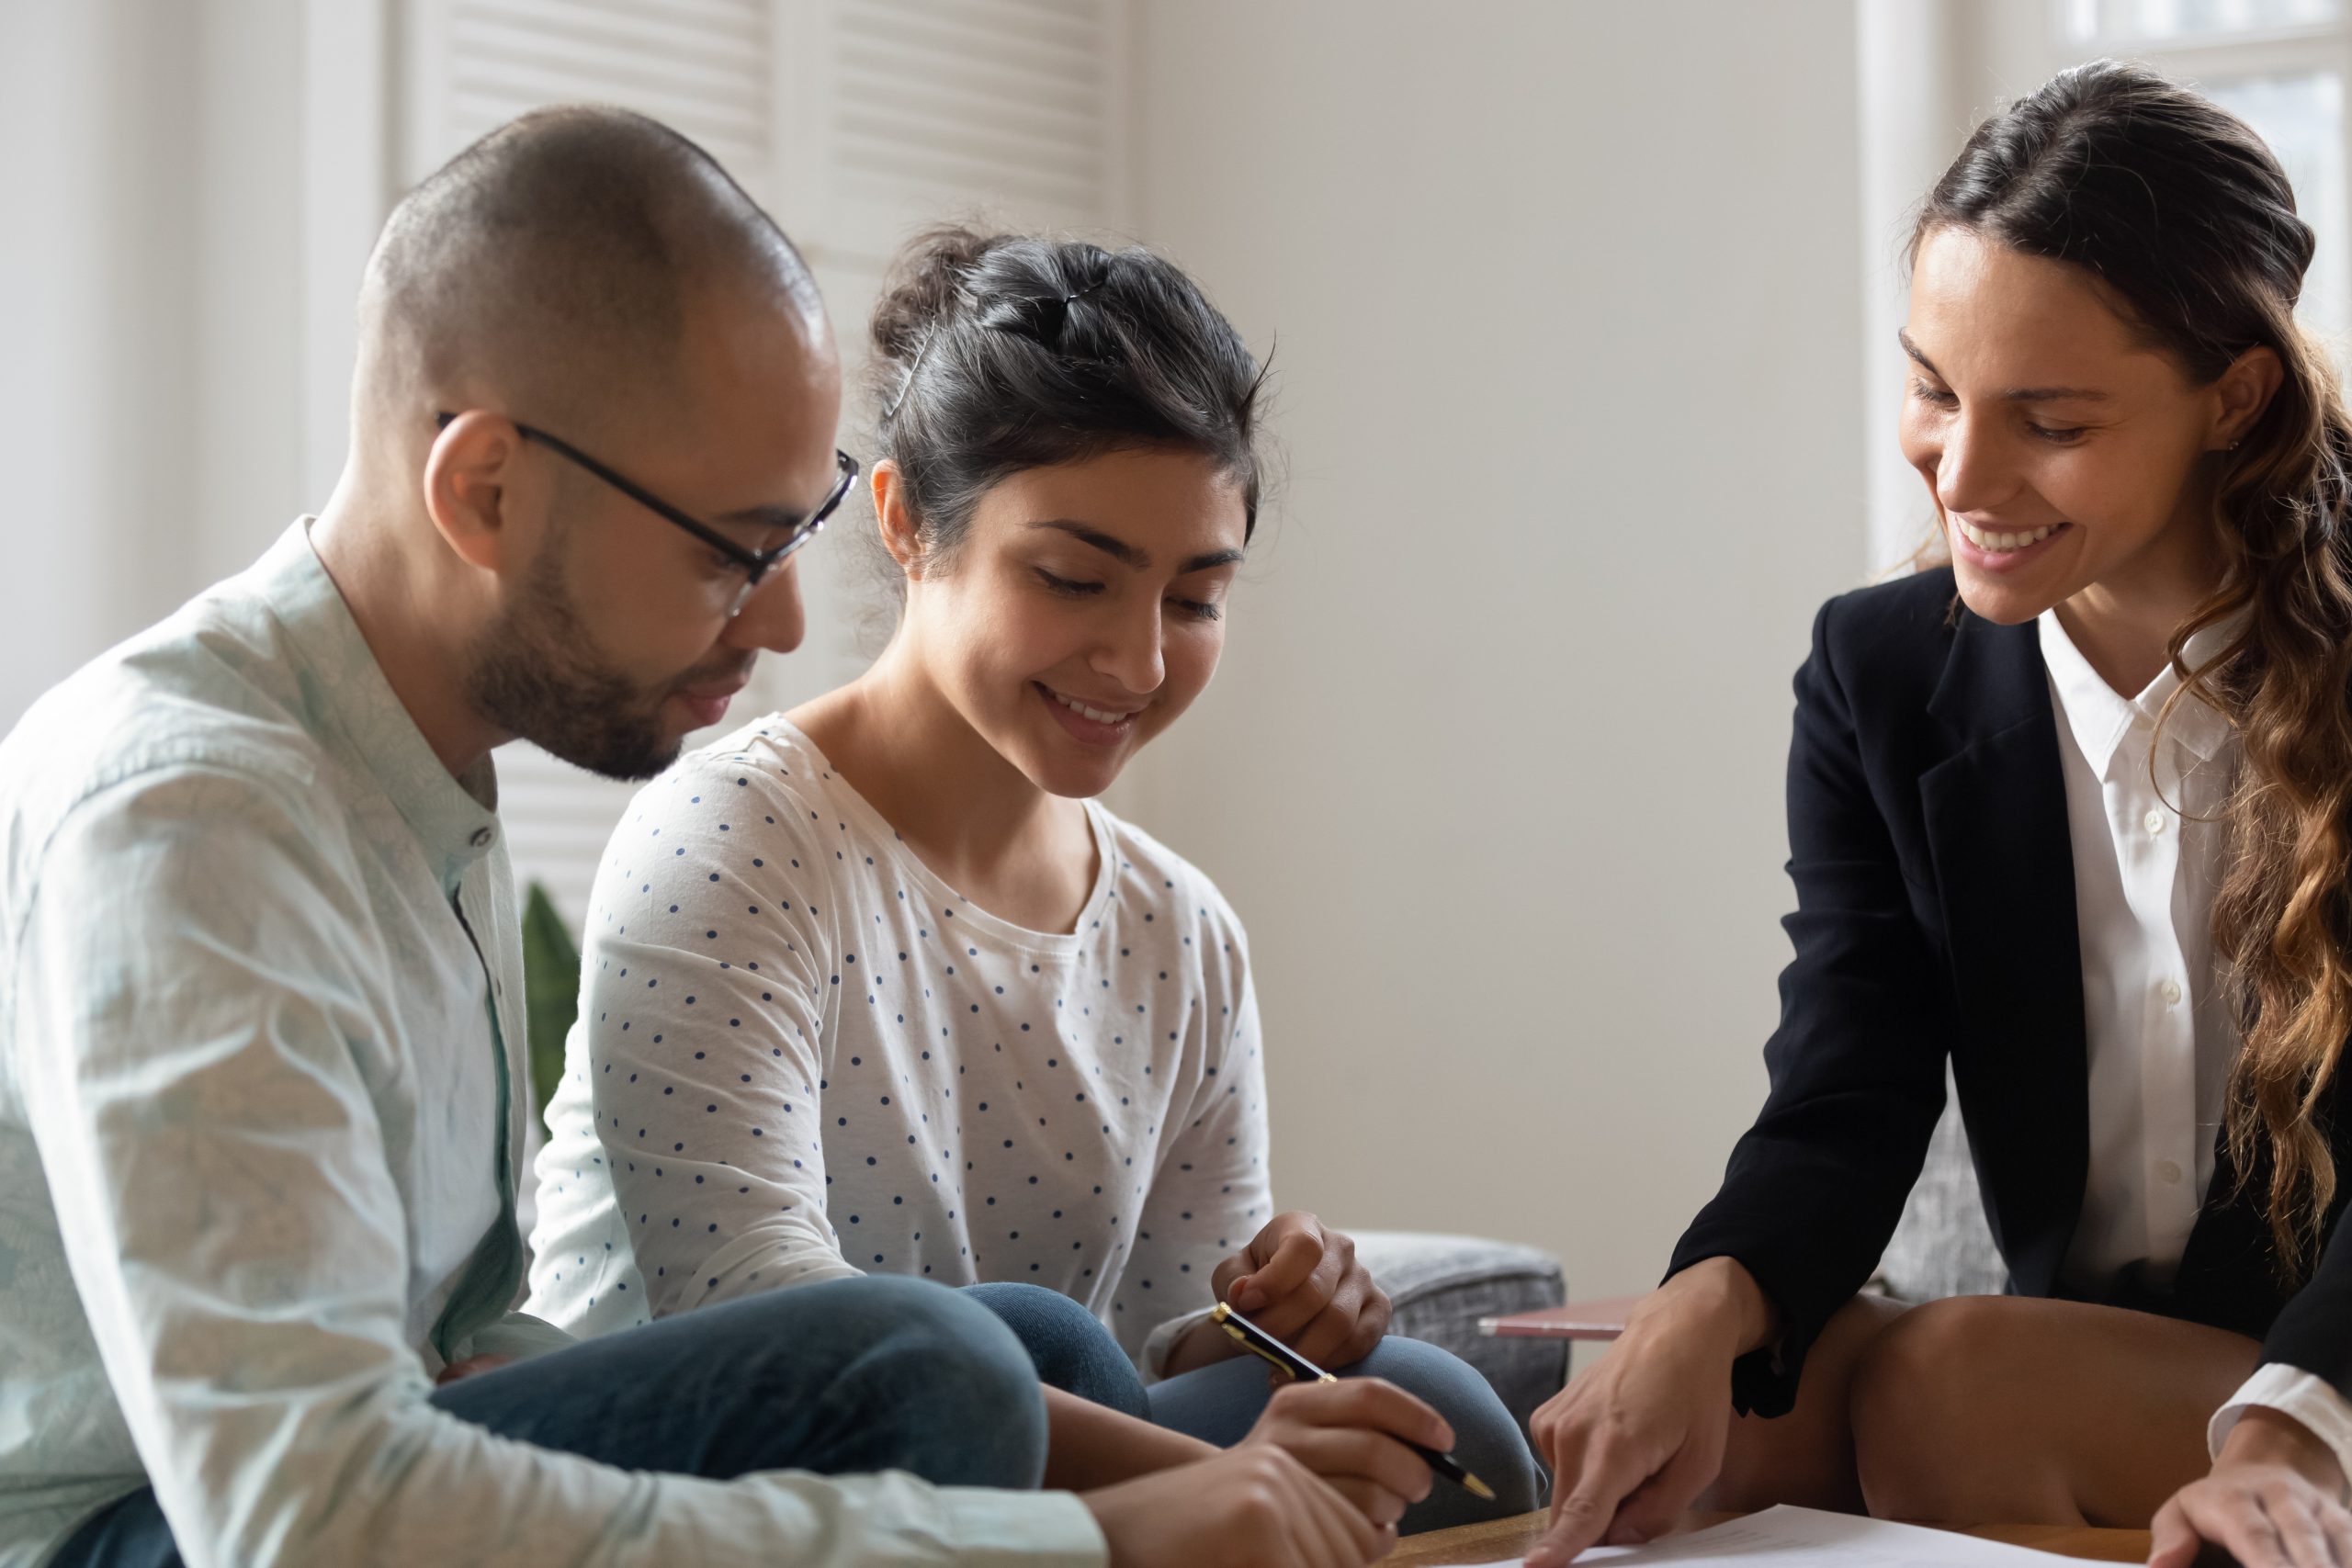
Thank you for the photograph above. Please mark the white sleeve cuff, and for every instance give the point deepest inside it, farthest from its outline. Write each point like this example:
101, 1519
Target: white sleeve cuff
1022, 1530
2295, 1393
1163, 1339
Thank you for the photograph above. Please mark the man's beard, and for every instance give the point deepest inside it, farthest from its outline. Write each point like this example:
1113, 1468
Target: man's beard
536, 674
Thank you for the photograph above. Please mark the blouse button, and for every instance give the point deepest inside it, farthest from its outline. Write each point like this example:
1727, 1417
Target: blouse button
2170, 991
2169, 1170
2154, 820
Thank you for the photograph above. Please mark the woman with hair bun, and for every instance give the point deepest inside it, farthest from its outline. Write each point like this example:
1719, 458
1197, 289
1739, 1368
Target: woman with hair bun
2069, 813
877, 987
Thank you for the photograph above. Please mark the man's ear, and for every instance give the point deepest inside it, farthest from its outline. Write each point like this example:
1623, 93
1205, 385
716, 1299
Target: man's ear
901, 536
469, 489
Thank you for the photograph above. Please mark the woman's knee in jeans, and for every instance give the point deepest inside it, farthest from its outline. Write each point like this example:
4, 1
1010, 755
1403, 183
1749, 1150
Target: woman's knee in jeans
1067, 1344
1486, 1440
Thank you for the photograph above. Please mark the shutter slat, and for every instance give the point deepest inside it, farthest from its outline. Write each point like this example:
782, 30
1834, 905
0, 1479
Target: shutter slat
939, 103
705, 66
1019, 39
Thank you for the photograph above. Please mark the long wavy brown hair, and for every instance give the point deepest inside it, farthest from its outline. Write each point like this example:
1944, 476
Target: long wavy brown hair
2186, 220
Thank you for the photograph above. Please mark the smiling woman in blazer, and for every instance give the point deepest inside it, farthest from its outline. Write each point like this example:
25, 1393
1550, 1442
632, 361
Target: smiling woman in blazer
2069, 813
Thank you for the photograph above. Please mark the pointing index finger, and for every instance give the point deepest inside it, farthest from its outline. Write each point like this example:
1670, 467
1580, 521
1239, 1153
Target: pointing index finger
1580, 1519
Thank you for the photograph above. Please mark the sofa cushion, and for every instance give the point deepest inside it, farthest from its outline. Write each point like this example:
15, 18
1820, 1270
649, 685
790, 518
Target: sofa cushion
1440, 1286
1943, 1246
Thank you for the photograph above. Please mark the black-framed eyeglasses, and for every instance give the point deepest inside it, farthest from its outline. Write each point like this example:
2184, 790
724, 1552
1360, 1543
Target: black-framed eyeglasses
753, 564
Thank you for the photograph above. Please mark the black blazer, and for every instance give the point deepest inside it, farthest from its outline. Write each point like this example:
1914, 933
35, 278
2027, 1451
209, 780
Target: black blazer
1935, 878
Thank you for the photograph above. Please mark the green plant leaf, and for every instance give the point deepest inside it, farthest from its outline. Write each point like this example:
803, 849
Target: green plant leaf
550, 991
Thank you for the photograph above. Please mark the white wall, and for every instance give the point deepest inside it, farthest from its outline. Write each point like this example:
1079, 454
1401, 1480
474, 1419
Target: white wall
148, 402
1567, 305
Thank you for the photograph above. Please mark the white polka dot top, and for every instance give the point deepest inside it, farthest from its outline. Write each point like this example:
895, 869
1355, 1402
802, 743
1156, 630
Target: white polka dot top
801, 1056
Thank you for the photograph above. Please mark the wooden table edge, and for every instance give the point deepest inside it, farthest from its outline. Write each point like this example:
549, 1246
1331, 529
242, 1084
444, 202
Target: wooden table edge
1507, 1538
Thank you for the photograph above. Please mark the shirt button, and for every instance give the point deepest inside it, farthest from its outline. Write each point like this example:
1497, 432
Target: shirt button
482, 836
2170, 991
2169, 1171
2154, 820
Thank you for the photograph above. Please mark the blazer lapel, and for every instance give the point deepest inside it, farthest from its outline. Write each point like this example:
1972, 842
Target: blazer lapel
1995, 814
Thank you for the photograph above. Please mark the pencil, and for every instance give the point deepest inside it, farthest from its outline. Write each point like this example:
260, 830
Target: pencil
1258, 1342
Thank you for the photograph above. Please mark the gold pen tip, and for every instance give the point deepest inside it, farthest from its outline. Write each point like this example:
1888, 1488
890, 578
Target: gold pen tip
1478, 1488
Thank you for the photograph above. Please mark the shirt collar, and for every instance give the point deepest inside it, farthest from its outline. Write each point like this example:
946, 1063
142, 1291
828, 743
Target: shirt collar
349, 706
2099, 716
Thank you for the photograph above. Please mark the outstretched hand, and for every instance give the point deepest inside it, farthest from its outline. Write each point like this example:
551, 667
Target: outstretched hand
1634, 1441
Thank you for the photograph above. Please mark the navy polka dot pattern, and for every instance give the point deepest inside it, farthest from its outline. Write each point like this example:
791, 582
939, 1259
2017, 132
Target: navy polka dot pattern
801, 1056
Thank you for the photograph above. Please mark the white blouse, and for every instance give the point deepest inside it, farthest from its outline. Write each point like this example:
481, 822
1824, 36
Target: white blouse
800, 1056
2148, 857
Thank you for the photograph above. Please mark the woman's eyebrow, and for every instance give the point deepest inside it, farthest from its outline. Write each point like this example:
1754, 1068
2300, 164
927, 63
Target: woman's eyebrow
1128, 555
1111, 545
2052, 394
2012, 394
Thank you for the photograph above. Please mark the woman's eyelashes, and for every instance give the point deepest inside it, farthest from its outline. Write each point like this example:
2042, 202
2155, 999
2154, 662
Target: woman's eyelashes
2057, 435
1934, 396
1067, 587
1070, 588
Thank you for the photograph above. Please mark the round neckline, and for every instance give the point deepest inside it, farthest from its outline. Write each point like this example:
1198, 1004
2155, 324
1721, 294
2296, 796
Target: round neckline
945, 897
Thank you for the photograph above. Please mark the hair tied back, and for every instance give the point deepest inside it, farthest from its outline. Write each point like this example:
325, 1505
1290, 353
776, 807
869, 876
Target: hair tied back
1044, 318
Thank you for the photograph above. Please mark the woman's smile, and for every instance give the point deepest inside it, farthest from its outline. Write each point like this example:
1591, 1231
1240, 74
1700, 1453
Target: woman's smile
2000, 549
1096, 726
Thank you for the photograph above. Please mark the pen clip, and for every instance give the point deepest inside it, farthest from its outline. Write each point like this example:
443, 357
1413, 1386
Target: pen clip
1274, 1361
1223, 1319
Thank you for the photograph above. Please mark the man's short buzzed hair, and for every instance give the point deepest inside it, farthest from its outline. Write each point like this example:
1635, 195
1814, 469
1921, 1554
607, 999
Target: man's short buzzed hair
550, 263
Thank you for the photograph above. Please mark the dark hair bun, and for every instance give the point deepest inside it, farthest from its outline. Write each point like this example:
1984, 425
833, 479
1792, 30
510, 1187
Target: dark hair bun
922, 288
996, 352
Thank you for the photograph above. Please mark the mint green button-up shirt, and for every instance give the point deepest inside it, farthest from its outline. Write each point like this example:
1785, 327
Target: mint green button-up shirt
262, 1085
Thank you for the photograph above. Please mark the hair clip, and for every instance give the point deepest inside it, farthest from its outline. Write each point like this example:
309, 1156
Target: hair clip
908, 384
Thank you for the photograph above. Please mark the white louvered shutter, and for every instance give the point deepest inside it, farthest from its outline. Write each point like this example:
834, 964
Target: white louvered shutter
857, 122
1010, 109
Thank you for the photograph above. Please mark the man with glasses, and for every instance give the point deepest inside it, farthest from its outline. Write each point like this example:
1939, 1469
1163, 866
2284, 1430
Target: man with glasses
262, 1081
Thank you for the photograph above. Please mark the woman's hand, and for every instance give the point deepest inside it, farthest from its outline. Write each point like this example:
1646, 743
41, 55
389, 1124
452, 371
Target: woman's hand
1253, 1506
2274, 1499
1632, 1441
1352, 1434
1299, 1281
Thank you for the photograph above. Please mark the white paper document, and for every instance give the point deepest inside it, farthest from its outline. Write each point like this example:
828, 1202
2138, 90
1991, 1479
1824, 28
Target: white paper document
1789, 1536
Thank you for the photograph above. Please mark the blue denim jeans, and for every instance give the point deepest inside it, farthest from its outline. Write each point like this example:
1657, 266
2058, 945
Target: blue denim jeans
1220, 1403
847, 1377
